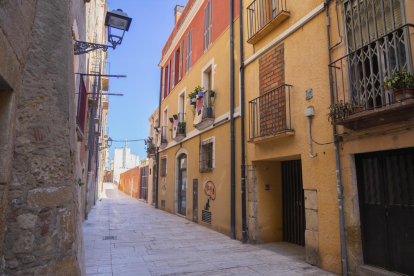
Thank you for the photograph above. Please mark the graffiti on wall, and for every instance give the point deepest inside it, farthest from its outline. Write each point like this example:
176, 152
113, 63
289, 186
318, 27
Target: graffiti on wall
210, 190
164, 186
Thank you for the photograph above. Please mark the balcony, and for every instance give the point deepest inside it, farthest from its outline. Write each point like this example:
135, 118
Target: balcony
269, 115
179, 126
164, 137
204, 110
263, 16
359, 99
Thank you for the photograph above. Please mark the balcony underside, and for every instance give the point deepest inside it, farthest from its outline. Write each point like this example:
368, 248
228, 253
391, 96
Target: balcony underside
93, 102
273, 136
205, 123
276, 21
179, 137
390, 114
163, 145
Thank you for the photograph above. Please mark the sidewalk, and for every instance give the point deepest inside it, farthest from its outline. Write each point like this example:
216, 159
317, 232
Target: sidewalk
153, 242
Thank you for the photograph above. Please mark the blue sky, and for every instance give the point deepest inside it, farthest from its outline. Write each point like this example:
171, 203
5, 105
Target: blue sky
137, 58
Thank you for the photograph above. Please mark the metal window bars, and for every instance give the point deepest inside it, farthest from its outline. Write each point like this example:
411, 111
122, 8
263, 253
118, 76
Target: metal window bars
358, 77
270, 113
206, 152
163, 167
261, 12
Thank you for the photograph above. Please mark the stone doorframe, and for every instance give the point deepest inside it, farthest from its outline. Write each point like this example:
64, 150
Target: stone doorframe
180, 152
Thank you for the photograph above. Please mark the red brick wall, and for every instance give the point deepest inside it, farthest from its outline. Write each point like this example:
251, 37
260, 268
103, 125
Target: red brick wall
273, 104
126, 177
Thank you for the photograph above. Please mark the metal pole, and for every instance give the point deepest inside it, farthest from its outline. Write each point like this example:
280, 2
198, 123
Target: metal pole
337, 164
157, 154
243, 165
232, 139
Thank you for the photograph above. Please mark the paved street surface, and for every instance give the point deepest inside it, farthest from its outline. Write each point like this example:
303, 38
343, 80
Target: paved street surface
154, 242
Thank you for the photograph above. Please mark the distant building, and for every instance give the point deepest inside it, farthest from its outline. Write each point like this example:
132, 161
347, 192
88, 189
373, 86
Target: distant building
123, 161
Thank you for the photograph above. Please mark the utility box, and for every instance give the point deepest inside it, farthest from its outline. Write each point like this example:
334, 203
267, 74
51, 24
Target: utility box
309, 112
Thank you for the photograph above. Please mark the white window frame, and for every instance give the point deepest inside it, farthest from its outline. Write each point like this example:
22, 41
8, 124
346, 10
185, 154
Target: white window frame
208, 25
165, 116
181, 106
204, 71
189, 50
166, 164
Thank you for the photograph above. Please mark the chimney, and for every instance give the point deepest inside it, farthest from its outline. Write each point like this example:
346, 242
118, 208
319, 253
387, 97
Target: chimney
178, 10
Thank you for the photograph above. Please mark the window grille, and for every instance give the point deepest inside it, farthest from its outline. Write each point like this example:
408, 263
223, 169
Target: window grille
163, 167
377, 49
144, 171
206, 216
206, 156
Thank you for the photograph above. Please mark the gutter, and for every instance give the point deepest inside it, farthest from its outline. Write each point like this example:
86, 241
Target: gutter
243, 153
158, 150
336, 148
232, 139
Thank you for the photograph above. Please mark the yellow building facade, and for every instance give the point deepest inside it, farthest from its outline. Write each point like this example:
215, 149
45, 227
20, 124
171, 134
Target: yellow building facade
308, 180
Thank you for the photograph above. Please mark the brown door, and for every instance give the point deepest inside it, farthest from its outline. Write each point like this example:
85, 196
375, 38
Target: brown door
182, 185
386, 196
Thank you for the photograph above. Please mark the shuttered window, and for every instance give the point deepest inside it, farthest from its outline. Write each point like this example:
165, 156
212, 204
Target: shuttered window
189, 50
180, 68
169, 77
208, 25
173, 71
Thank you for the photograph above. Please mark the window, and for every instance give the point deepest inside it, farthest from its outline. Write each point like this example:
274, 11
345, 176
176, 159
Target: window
208, 25
207, 155
169, 77
163, 167
189, 51
144, 171
177, 63
377, 51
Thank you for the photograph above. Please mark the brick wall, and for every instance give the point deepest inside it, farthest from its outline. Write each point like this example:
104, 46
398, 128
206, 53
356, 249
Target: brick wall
273, 104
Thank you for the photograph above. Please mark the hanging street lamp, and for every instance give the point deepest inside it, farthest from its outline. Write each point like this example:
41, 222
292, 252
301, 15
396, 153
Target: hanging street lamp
117, 23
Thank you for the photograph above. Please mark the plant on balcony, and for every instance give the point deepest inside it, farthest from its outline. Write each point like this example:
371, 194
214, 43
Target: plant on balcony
402, 82
209, 108
151, 150
339, 111
181, 127
194, 94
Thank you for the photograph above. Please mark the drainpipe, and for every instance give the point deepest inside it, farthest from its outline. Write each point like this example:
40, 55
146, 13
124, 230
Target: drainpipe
338, 167
243, 165
157, 154
232, 140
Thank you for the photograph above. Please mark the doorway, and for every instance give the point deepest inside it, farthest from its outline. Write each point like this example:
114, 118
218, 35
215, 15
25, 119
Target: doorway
144, 172
386, 198
182, 185
293, 203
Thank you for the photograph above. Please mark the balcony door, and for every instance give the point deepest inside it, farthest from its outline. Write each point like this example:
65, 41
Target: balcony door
182, 185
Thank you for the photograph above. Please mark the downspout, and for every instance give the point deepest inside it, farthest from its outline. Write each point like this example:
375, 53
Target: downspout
232, 140
243, 169
337, 164
157, 154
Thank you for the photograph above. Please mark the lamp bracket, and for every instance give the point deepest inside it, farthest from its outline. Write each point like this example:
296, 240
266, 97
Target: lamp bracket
82, 47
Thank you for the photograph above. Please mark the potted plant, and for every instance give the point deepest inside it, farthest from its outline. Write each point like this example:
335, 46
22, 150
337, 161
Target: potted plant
402, 82
339, 111
151, 150
181, 128
209, 109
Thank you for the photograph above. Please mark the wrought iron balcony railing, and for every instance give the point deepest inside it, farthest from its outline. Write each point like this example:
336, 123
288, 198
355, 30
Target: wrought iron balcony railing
178, 128
358, 77
269, 114
262, 12
164, 133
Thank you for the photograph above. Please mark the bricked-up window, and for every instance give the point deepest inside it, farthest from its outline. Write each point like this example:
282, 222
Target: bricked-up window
207, 155
189, 50
163, 167
208, 24
272, 69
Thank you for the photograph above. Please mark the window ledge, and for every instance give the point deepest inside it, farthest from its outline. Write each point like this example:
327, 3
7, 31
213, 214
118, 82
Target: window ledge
276, 21
179, 137
205, 123
394, 113
206, 170
273, 136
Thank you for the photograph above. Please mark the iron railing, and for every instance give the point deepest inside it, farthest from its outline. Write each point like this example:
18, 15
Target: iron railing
179, 130
164, 132
357, 78
261, 12
270, 113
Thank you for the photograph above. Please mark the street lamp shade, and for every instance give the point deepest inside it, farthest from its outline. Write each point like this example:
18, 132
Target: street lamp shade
118, 19
109, 142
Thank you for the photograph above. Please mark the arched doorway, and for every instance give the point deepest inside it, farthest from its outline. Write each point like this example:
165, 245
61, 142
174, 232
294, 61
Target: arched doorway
182, 185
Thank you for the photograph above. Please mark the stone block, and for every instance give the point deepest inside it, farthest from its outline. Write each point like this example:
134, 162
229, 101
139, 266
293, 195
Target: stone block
312, 220
67, 267
312, 247
67, 229
49, 197
24, 244
26, 221
311, 199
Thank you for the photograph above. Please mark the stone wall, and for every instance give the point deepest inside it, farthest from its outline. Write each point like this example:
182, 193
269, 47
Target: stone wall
44, 235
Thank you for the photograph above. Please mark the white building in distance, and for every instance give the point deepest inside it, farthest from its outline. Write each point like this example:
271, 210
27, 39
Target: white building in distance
123, 161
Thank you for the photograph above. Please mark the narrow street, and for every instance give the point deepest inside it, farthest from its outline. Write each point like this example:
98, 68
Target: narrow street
154, 242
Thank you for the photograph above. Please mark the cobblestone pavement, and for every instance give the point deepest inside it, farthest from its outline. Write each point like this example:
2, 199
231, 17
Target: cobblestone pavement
153, 242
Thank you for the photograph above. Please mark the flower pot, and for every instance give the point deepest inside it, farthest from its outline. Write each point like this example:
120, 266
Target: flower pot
201, 94
399, 93
152, 151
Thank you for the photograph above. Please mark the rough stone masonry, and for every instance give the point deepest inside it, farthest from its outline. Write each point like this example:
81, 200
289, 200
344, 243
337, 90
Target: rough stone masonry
40, 224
